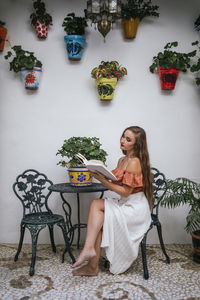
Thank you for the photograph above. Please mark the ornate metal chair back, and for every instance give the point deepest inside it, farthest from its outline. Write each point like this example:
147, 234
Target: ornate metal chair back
31, 187
159, 187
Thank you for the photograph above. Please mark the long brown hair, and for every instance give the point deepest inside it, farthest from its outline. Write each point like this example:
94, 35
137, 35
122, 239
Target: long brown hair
141, 151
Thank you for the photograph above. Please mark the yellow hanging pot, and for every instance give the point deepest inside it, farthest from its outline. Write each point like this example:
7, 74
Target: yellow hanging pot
130, 27
106, 87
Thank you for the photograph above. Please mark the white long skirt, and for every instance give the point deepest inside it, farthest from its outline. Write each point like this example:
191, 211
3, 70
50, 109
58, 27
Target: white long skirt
126, 220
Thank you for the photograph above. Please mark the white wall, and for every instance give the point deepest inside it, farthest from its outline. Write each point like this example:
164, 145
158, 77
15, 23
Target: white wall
34, 124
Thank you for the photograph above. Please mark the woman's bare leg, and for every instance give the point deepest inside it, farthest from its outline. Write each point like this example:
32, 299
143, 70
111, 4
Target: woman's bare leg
92, 267
94, 225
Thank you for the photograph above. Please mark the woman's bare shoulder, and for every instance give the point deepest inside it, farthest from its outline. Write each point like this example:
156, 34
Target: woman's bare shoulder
120, 161
134, 165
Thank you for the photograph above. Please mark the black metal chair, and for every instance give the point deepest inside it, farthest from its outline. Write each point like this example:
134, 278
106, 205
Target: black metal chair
31, 187
160, 188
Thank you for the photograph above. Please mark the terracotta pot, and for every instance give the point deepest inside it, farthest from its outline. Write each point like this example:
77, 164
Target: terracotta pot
41, 30
106, 88
168, 78
3, 33
79, 176
130, 27
196, 244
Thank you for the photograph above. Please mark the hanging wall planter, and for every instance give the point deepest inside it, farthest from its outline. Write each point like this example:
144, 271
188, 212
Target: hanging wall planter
133, 12
25, 62
3, 33
168, 64
107, 74
31, 77
130, 27
106, 88
168, 78
40, 19
41, 30
75, 39
74, 45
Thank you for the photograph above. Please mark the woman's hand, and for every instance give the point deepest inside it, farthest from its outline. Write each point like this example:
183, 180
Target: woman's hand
98, 176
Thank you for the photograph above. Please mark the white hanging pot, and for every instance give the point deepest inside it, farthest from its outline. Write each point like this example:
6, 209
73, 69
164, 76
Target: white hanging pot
31, 77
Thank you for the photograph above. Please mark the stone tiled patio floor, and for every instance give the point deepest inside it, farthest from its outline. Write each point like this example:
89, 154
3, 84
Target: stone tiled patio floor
53, 279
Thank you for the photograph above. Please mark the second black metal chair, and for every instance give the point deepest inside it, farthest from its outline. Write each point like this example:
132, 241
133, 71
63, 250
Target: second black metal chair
160, 188
31, 187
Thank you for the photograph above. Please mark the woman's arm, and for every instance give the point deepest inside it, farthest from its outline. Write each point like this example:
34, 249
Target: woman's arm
122, 190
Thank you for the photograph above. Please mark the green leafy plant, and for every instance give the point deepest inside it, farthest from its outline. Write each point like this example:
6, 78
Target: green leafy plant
172, 59
109, 69
74, 25
197, 23
138, 9
183, 191
22, 59
195, 67
90, 147
40, 14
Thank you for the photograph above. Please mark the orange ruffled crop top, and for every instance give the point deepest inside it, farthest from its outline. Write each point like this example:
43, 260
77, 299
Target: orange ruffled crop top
131, 179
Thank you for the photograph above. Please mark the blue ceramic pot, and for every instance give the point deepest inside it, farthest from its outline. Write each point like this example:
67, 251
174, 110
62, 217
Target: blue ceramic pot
75, 45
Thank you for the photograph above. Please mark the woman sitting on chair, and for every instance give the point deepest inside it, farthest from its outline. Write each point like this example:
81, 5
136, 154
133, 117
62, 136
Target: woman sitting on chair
118, 225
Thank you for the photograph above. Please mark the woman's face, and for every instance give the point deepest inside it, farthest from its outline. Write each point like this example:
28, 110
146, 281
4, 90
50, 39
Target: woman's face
127, 141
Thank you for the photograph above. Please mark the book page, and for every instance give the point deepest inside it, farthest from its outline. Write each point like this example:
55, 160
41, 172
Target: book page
101, 169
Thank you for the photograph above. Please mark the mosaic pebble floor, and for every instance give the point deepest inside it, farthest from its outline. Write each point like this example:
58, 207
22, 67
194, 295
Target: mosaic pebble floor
53, 280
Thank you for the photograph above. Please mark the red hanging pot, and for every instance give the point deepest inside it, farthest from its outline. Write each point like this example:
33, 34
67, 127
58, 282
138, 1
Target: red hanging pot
168, 78
3, 33
41, 30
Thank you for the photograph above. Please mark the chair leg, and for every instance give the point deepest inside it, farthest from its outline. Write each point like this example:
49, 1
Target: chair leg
34, 230
53, 246
144, 257
67, 245
22, 230
159, 229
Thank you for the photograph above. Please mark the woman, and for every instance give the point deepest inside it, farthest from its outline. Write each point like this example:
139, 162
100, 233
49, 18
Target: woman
118, 225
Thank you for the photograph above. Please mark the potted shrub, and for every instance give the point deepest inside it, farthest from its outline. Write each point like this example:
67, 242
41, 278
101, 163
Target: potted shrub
75, 39
197, 23
89, 147
185, 191
168, 64
3, 33
25, 62
133, 11
40, 19
195, 66
107, 74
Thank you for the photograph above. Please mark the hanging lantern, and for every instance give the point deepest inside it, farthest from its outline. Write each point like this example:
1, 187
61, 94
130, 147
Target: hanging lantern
103, 13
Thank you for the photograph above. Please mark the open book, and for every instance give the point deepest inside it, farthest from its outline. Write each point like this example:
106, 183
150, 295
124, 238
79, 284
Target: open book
96, 166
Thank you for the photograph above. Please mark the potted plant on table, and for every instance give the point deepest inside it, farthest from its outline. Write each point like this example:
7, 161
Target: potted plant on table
25, 62
3, 33
168, 64
183, 191
40, 19
107, 74
195, 66
75, 39
90, 147
133, 12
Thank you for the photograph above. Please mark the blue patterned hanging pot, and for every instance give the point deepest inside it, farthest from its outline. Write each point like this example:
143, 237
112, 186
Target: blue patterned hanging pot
75, 45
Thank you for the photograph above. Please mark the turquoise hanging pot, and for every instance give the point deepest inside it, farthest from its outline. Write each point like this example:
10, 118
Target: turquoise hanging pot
75, 45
